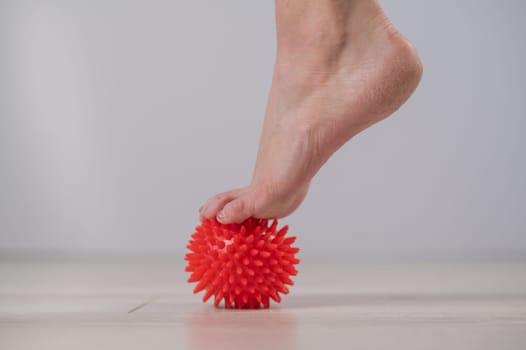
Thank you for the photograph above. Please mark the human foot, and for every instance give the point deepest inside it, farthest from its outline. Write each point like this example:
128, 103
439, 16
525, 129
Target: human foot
341, 67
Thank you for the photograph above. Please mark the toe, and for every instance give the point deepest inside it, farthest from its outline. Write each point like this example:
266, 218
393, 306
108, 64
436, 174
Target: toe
236, 211
214, 204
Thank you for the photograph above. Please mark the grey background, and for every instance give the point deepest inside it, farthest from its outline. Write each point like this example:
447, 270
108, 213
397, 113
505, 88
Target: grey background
119, 118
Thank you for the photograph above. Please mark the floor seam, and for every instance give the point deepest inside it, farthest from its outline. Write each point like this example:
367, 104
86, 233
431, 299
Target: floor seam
140, 306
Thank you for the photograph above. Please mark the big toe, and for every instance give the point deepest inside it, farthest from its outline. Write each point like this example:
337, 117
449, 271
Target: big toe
217, 202
236, 211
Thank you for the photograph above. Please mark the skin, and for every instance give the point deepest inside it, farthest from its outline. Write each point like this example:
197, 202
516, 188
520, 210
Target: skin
340, 67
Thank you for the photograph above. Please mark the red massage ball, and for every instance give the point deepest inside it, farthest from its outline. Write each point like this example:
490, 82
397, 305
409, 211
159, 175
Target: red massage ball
243, 264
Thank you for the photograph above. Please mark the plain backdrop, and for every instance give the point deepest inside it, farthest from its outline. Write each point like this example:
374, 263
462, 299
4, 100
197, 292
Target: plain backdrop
118, 119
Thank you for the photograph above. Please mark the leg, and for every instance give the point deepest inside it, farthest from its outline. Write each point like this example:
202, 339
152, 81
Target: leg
340, 67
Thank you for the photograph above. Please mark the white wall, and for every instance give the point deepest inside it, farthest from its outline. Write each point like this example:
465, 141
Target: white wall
119, 118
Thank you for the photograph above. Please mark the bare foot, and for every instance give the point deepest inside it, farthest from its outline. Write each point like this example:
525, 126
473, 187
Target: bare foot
341, 66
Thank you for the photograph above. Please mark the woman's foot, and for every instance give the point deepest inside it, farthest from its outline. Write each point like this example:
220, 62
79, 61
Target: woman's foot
341, 67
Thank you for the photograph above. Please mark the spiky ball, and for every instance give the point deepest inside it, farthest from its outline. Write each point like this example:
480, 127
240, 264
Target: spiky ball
243, 264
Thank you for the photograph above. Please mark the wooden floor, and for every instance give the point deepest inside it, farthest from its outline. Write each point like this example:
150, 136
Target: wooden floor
132, 304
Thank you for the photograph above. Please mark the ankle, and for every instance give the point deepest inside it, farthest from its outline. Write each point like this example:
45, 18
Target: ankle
312, 35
